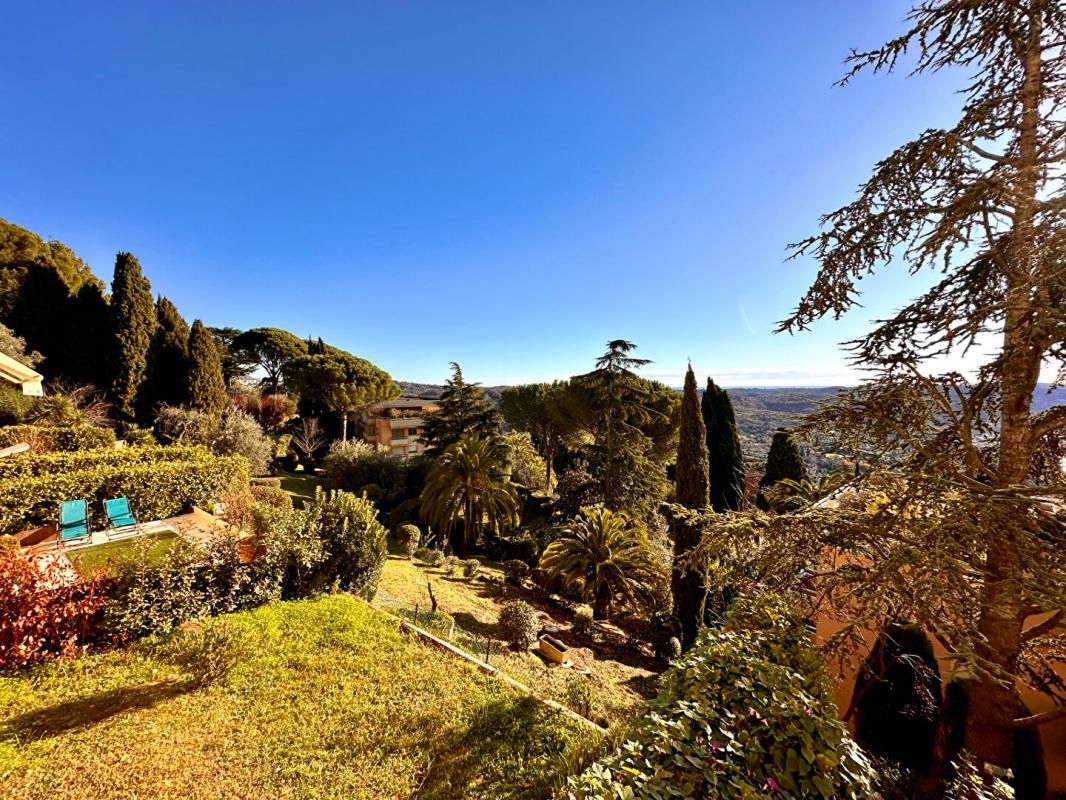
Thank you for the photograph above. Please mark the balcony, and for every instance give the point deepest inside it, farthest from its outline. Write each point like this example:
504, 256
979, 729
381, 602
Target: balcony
405, 422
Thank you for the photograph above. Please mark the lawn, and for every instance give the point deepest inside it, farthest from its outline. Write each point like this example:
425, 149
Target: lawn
330, 700
103, 556
619, 687
301, 485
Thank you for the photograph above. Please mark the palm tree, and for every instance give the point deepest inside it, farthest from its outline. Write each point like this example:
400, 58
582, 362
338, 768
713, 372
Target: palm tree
605, 557
470, 482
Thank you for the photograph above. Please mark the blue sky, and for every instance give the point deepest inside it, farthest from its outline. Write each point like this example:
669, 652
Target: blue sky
508, 185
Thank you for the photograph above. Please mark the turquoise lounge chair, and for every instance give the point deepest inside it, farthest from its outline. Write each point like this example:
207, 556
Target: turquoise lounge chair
120, 518
74, 522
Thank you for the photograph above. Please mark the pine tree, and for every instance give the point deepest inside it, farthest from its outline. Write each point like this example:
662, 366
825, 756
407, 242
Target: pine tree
134, 324
207, 391
783, 461
464, 409
692, 492
723, 448
168, 360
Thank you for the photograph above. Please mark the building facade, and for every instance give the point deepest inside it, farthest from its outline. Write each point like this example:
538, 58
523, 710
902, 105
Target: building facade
397, 424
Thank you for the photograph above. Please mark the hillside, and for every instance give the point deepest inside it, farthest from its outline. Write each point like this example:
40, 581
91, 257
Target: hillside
760, 410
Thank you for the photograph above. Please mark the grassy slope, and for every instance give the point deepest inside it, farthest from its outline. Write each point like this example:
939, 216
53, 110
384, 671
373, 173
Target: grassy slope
475, 606
330, 701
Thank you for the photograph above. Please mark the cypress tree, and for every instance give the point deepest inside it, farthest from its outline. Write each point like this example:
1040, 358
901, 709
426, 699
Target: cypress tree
692, 492
168, 360
464, 409
783, 460
723, 448
134, 324
207, 391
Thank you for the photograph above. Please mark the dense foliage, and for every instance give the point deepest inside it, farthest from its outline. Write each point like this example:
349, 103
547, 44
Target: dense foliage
134, 319
464, 410
59, 438
723, 447
155, 490
519, 624
745, 713
43, 612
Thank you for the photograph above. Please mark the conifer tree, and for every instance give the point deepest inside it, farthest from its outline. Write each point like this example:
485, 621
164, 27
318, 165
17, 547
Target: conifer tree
168, 360
464, 409
723, 448
783, 461
692, 493
207, 391
134, 324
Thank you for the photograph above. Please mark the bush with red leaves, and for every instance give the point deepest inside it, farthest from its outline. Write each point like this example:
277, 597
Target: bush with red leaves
47, 610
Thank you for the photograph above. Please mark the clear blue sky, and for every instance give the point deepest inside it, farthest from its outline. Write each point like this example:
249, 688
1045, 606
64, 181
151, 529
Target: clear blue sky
508, 185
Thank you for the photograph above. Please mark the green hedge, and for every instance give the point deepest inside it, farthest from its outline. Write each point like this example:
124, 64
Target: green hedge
49, 438
32, 465
155, 490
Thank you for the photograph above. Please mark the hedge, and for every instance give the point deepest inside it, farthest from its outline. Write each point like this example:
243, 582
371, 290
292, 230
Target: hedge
155, 490
49, 438
32, 465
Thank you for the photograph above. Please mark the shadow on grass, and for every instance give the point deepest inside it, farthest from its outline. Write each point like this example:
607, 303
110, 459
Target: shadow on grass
513, 747
88, 711
472, 625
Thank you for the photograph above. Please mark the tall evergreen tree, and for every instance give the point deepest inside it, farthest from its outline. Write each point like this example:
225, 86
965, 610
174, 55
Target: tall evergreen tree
168, 360
723, 448
134, 325
693, 481
783, 460
465, 409
88, 334
207, 391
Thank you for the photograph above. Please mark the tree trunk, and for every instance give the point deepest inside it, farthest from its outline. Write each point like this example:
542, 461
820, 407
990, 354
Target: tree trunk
344, 426
601, 606
993, 703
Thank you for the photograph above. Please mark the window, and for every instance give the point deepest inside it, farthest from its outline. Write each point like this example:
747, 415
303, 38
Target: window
399, 433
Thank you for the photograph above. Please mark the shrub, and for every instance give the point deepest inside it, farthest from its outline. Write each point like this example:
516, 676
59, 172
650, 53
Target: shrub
240, 435
208, 653
408, 537
271, 495
405, 512
353, 538
451, 564
430, 555
471, 567
582, 624
153, 597
45, 611
293, 550
516, 571
354, 464
48, 438
156, 490
745, 713
31, 465
579, 695
175, 424
519, 624
14, 405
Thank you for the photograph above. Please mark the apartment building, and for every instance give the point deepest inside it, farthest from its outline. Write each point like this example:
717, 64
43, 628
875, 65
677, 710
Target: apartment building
397, 424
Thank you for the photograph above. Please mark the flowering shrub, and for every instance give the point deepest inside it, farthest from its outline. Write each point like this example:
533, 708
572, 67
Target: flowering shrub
46, 610
745, 713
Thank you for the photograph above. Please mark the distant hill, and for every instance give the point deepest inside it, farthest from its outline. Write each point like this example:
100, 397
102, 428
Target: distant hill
760, 410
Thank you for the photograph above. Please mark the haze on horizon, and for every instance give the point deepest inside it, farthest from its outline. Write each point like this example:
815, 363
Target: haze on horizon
506, 187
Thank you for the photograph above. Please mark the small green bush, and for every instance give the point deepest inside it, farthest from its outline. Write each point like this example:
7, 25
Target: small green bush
408, 537
579, 695
355, 541
451, 564
56, 438
471, 567
430, 556
582, 624
519, 624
